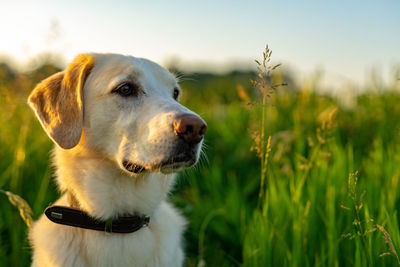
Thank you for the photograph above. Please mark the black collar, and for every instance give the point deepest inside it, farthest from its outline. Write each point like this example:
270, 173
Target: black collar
79, 218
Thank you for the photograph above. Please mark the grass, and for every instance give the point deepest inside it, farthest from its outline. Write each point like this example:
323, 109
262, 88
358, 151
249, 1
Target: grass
306, 214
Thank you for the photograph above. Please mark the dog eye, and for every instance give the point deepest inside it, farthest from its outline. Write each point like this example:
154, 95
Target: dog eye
176, 93
126, 89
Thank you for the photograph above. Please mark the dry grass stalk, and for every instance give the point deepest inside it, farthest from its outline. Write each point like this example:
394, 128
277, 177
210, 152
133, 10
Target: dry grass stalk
25, 210
243, 94
388, 241
327, 126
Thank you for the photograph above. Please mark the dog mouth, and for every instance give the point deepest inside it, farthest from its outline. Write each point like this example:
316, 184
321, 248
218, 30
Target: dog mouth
177, 163
132, 167
172, 164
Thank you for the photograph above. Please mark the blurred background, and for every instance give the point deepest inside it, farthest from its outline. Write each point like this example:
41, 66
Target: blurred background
323, 191
344, 41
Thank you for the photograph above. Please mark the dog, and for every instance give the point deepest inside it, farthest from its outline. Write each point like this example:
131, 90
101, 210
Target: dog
120, 135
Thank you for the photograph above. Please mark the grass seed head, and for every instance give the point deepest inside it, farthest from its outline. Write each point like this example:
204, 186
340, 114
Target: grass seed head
25, 210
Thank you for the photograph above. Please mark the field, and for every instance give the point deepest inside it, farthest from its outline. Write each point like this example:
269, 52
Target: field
327, 195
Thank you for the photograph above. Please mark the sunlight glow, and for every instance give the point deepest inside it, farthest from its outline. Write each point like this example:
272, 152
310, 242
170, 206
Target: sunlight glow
343, 39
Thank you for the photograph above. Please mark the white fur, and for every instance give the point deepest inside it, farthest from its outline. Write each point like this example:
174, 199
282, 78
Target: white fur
115, 129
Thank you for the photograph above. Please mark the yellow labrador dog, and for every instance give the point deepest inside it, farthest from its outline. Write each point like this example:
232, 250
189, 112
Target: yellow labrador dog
120, 136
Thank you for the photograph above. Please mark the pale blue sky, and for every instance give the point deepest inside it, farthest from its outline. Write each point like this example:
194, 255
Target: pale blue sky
344, 38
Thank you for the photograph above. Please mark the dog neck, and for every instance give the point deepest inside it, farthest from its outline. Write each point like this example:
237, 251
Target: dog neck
99, 187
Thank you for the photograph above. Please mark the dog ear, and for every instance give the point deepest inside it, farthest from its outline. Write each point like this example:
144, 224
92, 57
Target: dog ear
58, 102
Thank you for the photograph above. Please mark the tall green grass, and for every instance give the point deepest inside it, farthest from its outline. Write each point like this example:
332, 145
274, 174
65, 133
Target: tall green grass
308, 214
303, 221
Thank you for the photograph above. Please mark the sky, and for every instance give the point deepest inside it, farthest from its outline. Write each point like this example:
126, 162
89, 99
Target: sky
345, 40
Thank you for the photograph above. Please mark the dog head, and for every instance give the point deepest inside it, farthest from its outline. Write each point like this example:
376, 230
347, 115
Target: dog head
123, 108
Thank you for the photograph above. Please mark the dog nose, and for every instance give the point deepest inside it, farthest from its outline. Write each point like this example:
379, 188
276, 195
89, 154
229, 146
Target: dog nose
190, 128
